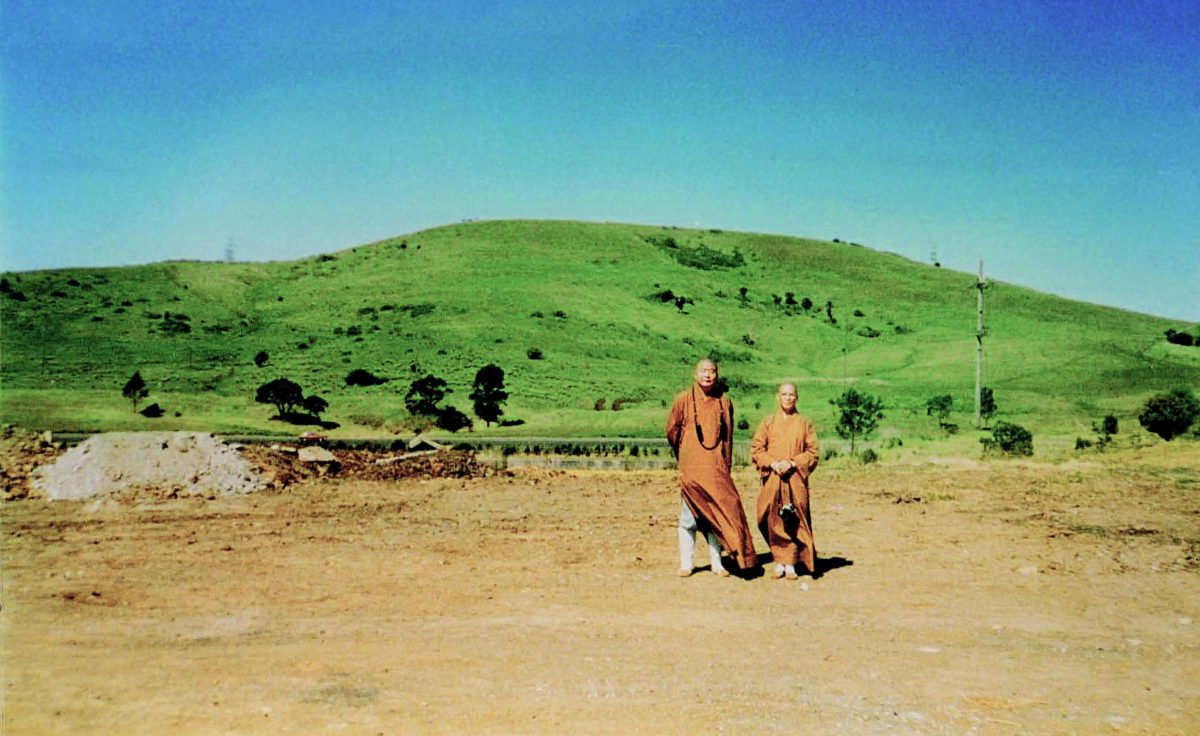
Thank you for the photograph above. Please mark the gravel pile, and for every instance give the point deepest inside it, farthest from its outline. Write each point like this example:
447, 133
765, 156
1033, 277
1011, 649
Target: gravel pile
166, 463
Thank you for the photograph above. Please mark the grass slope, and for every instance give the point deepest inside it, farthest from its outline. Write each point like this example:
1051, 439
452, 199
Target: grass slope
452, 299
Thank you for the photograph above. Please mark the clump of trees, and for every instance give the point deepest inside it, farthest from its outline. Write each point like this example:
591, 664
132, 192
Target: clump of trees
1170, 414
858, 415
290, 402
423, 397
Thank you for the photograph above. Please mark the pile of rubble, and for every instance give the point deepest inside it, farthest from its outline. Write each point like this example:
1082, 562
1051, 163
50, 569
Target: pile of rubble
22, 452
170, 464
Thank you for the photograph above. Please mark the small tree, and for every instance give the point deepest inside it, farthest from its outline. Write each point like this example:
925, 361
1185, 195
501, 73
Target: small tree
284, 394
424, 395
315, 405
939, 408
135, 389
987, 404
1105, 429
1171, 414
487, 393
859, 415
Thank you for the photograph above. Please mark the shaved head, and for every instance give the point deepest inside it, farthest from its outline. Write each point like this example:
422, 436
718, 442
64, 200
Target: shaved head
787, 397
706, 374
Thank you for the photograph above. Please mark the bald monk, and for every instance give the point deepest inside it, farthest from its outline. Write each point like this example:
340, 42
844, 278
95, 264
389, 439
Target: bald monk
785, 451
700, 432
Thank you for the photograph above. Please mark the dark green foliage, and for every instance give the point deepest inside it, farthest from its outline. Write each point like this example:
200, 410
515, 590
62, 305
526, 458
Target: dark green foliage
1181, 338
743, 423
1010, 440
987, 404
599, 406
154, 411
135, 389
806, 304
487, 393
1170, 414
858, 415
424, 395
452, 420
314, 405
284, 394
867, 331
362, 377
868, 456
939, 407
261, 358
534, 354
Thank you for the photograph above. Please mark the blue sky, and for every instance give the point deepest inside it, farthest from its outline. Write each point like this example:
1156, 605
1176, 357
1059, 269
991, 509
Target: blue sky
1057, 141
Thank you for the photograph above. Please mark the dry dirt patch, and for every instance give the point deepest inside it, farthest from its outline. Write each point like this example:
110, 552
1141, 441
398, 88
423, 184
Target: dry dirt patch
992, 599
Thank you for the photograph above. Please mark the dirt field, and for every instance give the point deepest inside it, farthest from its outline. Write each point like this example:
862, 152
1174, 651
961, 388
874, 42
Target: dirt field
960, 598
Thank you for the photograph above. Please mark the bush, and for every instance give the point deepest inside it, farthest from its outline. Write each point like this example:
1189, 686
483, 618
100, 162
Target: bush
261, 359
599, 405
452, 420
743, 423
1171, 414
534, 354
363, 377
1008, 439
1181, 338
868, 456
830, 453
154, 411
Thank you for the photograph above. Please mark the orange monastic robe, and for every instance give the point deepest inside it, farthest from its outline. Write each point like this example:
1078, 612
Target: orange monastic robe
786, 437
705, 457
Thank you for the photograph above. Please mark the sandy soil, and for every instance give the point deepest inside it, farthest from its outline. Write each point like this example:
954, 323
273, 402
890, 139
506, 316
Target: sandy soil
959, 598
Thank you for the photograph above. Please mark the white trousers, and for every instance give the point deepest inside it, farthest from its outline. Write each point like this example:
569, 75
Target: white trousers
687, 541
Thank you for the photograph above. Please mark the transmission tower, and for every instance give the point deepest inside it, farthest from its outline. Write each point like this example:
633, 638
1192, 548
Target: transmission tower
229, 251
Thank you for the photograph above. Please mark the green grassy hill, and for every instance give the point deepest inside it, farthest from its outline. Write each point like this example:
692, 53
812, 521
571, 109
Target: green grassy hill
588, 297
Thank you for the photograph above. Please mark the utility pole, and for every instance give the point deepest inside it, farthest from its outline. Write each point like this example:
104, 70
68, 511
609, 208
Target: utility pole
229, 251
980, 284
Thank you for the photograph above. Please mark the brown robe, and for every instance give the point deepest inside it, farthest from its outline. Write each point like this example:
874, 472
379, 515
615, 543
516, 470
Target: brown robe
704, 463
786, 437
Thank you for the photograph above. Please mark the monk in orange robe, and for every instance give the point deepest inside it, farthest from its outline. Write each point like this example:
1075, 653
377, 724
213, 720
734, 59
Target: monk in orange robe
785, 451
700, 431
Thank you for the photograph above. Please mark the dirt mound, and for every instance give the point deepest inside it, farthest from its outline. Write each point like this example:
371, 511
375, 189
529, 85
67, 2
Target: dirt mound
170, 463
22, 452
283, 467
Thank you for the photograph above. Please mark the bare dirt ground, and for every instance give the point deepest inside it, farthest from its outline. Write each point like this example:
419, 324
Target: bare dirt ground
960, 598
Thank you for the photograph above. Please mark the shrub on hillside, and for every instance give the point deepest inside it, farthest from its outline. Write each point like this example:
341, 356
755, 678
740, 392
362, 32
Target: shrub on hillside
1181, 338
261, 358
868, 456
534, 354
1171, 414
362, 377
452, 420
1008, 439
154, 411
